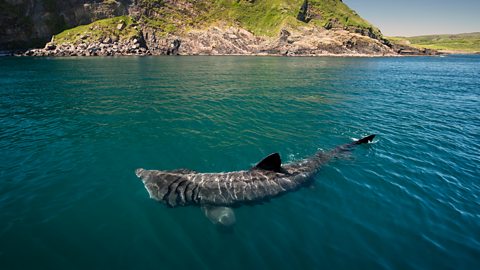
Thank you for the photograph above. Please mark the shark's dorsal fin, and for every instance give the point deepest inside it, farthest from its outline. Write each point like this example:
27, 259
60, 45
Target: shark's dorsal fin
271, 163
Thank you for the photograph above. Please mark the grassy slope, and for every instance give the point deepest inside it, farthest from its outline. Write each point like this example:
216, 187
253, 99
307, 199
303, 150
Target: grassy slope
99, 30
461, 42
262, 17
333, 9
268, 17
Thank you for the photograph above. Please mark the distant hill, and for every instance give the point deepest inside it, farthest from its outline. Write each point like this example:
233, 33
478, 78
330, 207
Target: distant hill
466, 43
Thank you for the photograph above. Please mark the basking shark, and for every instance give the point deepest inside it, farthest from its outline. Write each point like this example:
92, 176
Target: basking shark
217, 193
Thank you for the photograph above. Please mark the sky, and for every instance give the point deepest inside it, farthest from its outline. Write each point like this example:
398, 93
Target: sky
420, 17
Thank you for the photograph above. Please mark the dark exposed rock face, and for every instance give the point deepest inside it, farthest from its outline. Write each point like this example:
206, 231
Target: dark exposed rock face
407, 50
29, 23
174, 46
304, 13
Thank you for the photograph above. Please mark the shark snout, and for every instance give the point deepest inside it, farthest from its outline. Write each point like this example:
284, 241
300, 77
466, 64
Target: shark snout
139, 172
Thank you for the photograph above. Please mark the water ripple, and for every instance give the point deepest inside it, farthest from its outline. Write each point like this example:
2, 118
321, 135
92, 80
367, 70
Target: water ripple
69, 144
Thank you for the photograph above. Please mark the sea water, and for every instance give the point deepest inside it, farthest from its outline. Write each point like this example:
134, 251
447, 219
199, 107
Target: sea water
73, 130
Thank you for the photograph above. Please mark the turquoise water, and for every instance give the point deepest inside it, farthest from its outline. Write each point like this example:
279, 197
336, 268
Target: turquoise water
72, 131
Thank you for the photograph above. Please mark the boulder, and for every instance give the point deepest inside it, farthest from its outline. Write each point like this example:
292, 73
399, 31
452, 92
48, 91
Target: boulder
174, 46
50, 46
120, 26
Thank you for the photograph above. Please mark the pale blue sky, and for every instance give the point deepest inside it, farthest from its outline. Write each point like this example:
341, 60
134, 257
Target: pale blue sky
420, 17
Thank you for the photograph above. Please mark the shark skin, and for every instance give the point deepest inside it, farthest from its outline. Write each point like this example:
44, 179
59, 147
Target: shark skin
268, 179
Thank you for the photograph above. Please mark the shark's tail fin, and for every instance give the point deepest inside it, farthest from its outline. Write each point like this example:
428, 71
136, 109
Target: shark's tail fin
349, 146
364, 140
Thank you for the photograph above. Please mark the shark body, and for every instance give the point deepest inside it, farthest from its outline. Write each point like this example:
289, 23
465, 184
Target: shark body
268, 179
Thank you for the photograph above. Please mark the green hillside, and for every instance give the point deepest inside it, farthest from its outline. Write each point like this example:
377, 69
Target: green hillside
267, 17
469, 42
261, 17
99, 30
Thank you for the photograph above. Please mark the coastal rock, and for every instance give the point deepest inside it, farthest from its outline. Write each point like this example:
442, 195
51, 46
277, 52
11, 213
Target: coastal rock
27, 23
308, 40
403, 49
304, 12
120, 26
174, 46
228, 41
50, 46
92, 49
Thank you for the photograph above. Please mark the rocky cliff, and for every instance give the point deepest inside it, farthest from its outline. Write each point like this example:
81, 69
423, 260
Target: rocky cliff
205, 27
30, 23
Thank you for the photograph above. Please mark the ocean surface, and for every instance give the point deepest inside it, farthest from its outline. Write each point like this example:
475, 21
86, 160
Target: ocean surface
73, 130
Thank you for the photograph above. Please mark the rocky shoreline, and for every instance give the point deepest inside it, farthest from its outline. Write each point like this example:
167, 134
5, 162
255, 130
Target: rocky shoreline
234, 41
90, 49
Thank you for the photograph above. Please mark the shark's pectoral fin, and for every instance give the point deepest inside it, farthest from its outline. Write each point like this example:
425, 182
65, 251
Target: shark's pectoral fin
220, 215
270, 163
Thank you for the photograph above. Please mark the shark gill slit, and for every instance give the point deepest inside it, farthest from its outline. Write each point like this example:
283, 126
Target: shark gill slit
170, 189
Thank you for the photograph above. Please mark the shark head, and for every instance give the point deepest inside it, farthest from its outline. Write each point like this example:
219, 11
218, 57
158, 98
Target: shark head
147, 178
165, 185
139, 173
